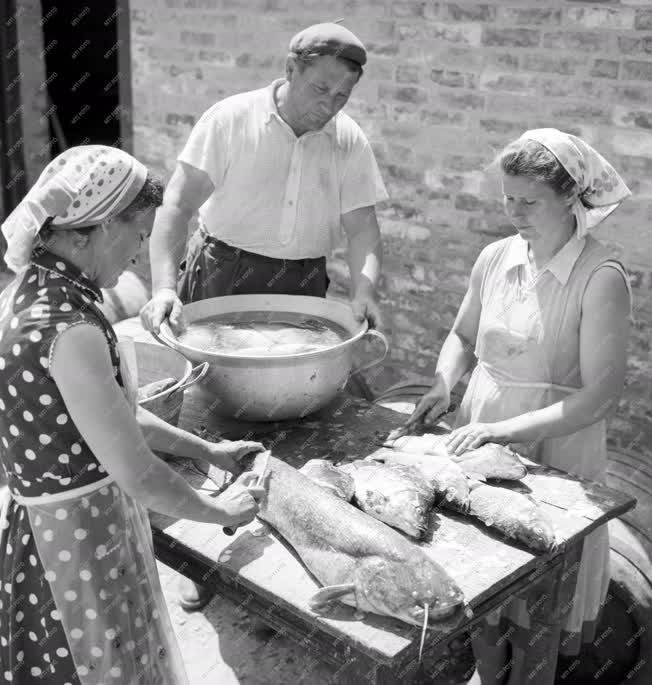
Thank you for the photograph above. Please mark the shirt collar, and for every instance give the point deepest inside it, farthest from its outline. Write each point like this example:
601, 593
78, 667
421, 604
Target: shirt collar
560, 266
271, 110
44, 259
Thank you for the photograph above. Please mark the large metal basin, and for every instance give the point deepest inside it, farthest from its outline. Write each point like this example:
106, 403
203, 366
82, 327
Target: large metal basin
272, 388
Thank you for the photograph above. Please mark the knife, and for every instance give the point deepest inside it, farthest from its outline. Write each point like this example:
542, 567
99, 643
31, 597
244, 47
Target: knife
231, 530
407, 426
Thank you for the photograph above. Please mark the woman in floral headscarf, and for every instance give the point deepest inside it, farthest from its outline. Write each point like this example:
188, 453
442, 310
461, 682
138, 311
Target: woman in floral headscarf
80, 600
546, 317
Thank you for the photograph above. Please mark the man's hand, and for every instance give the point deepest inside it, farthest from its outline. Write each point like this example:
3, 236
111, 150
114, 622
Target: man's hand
165, 304
364, 306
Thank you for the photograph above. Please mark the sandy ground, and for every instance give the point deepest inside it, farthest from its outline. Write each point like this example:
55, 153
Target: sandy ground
225, 645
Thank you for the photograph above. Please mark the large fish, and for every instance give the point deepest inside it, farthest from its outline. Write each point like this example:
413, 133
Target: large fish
440, 473
491, 461
397, 495
360, 561
514, 514
329, 477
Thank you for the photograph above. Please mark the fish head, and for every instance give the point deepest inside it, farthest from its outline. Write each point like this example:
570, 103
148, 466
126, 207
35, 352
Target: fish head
402, 588
539, 533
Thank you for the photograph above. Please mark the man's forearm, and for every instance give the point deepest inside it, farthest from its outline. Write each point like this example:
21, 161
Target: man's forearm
365, 261
167, 245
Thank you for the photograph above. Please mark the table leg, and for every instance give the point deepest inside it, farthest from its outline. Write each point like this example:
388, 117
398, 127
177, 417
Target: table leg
550, 601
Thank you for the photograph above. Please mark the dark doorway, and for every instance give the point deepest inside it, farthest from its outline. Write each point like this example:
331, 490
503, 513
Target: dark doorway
80, 40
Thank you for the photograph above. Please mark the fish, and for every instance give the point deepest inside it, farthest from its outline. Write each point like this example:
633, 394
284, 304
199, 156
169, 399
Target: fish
329, 477
439, 472
428, 443
514, 514
358, 560
491, 461
396, 494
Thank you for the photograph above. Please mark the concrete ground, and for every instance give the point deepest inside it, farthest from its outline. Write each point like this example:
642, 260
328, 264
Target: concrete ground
226, 645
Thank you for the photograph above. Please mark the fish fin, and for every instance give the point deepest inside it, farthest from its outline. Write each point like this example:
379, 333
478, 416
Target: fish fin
329, 593
471, 475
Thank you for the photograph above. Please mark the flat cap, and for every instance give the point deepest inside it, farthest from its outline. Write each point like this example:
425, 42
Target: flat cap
329, 39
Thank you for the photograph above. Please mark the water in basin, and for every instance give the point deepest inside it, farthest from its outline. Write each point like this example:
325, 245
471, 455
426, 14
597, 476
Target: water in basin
261, 333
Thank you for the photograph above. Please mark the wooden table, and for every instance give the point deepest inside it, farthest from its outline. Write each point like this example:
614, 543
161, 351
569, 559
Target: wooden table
257, 570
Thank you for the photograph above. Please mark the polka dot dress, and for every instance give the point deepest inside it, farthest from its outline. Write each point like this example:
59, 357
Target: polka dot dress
80, 600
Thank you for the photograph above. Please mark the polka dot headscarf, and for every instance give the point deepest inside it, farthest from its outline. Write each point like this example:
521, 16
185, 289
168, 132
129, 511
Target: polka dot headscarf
82, 186
602, 190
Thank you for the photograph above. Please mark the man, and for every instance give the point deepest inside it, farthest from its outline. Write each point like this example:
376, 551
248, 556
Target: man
275, 174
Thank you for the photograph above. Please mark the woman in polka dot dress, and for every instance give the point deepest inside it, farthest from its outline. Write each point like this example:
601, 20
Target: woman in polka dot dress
80, 600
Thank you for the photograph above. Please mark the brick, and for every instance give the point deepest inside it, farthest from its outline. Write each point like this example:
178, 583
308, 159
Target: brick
437, 181
403, 173
643, 20
551, 63
407, 73
605, 68
385, 30
510, 83
600, 17
463, 162
635, 46
518, 38
513, 104
467, 34
530, 16
411, 94
382, 49
571, 88
497, 227
576, 40
583, 112
452, 11
467, 202
453, 79
500, 126
632, 118
637, 71
634, 94
442, 118
410, 31
466, 101
631, 143
407, 9
501, 60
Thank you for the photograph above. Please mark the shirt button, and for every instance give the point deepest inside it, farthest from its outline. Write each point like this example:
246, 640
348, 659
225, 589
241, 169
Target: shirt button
290, 203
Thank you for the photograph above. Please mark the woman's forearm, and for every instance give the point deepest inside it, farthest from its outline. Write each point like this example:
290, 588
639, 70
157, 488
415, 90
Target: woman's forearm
161, 489
164, 437
455, 359
575, 412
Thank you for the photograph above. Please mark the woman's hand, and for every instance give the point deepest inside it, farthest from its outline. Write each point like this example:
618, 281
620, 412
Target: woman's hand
238, 504
226, 453
474, 435
432, 405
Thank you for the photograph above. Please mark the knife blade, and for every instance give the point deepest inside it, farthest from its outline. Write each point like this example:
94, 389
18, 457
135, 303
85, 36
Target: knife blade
405, 429
231, 530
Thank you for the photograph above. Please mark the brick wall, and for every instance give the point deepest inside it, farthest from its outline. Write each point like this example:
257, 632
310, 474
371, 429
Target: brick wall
446, 86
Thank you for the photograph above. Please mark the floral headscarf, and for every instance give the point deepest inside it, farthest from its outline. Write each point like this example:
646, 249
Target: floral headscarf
81, 187
602, 190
